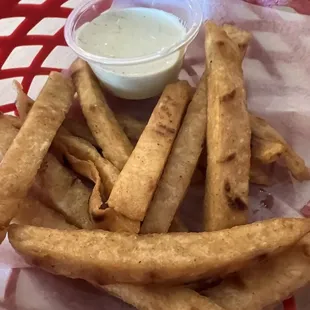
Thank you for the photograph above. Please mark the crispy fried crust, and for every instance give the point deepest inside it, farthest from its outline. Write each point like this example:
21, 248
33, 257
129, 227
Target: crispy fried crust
228, 134
64, 191
34, 212
115, 145
180, 166
269, 136
24, 157
138, 180
81, 149
268, 282
104, 257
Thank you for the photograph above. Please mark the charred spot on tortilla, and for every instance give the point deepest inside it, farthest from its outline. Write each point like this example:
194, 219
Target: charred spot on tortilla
235, 203
166, 110
228, 158
240, 204
229, 96
227, 186
166, 130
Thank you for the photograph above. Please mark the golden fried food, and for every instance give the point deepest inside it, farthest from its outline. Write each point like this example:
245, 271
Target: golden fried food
262, 130
23, 159
137, 182
54, 183
75, 147
109, 219
180, 166
239, 36
132, 127
79, 129
23, 102
228, 134
260, 174
105, 257
266, 152
266, 283
115, 145
34, 212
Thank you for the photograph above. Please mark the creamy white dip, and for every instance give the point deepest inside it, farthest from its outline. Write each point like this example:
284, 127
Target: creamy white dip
129, 33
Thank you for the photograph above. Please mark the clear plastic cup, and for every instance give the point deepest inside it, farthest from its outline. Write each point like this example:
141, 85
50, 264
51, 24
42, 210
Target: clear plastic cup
129, 84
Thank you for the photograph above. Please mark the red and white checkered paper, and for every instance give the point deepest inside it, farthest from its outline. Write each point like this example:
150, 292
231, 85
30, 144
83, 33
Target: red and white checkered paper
277, 72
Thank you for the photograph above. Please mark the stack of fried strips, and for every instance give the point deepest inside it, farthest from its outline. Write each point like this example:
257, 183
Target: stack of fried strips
98, 199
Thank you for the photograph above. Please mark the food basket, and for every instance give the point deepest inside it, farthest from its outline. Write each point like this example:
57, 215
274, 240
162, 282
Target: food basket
31, 45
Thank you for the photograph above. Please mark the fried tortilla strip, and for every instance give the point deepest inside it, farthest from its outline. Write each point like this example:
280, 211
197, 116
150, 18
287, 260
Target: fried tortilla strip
156, 258
74, 147
80, 130
228, 134
113, 221
137, 182
267, 283
66, 191
239, 36
80, 153
180, 166
89, 170
260, 174
23, 102
34, 212
14, 121
7, 134
115, 145
22, 161
131, 126
54, 184
266, 152
104, 219
86, 161
262, 130
160, 298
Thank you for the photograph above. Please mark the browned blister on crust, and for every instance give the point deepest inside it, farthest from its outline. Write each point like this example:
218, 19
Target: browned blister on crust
161, 298
104, 257
268, 135
22, 161
138, 180
180, 165
267, 282
109, 135
228, 134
